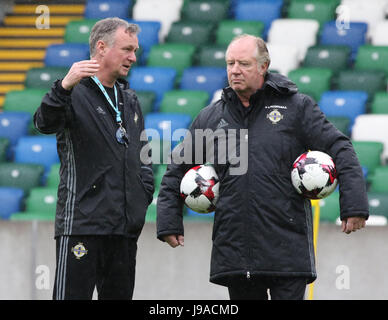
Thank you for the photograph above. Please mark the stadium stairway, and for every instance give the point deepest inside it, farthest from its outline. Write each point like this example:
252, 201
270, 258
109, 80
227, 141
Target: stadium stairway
23, 40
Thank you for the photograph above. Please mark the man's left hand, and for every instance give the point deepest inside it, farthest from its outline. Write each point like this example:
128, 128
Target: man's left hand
352, 224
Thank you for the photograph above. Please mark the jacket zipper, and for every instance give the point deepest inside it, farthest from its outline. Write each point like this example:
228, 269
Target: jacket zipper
248, 275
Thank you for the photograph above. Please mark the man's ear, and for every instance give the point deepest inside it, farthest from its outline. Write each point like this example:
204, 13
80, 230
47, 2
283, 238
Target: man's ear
263, 68
101, 47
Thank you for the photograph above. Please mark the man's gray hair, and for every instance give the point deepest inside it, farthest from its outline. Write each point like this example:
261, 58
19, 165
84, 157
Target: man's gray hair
106, 28
262, 54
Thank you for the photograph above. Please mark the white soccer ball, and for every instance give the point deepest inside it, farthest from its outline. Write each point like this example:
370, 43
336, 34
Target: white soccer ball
200, 188
314, 175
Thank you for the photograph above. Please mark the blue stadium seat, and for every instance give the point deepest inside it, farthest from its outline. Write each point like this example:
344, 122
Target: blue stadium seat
99, 9
10, 201
155, 79
148, 36
167, 126
353, 37
14, 125
193, 215
65, 54
37, 149
348, 104
261, 10
207, 79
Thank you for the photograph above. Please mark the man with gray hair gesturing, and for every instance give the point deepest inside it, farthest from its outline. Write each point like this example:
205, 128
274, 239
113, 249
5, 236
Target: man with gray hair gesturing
104, 188
262, 234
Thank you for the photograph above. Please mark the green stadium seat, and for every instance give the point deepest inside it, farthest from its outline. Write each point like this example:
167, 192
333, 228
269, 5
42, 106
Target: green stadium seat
212, 56
341, 123
4, 143
184, 101
312, 81
372, 58
191, 32
330, 208
380, 103
42, 199
21, 175
27, 100
228, 29
361, 80
146, 100
208, 11
43, 78
174, 55
369, 154
325, 56
319, 10
378, 203
53, 177
78, 31
32, 215
378, 181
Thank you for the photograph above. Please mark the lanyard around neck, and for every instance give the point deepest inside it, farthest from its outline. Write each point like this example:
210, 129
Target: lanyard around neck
115, 107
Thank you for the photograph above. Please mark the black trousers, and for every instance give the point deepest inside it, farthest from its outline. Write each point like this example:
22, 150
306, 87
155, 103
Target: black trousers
279, 288
84, 263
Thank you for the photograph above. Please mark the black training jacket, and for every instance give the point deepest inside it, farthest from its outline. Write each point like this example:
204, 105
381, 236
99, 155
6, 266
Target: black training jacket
104, 187
262, 226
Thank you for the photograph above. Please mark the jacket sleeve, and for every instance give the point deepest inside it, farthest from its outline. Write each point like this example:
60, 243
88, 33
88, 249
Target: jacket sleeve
320, 134
54, 109
170, 204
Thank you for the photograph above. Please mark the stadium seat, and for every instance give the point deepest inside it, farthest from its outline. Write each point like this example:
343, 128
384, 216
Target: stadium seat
21, 175
284, 58
378, 181
300, 33
78, 31
265, 11
379, 34
14, 125
26, 100
348, 104
192, 215
4, 143
369, 12
320, 10
372, 127
205, 11
65, 54
10, 201
378, 203
37, 149
361, 80
330, 208
190, 32
154, 79
146, 100
380, 103
44, 77
212, 56
165, 11
333, 57
167, 126
207, 79
184, 101
174, 55
148, 36
312, 81
228, 29
372, 58
341, 123
217, 95
354, 36
99, 9
369, 154
53, 177
42, 199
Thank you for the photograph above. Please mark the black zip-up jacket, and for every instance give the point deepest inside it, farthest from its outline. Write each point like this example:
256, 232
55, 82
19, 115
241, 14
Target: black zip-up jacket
104, 187
262, 226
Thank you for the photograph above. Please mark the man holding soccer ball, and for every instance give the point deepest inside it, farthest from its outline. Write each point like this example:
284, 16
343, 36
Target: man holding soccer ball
262, 235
